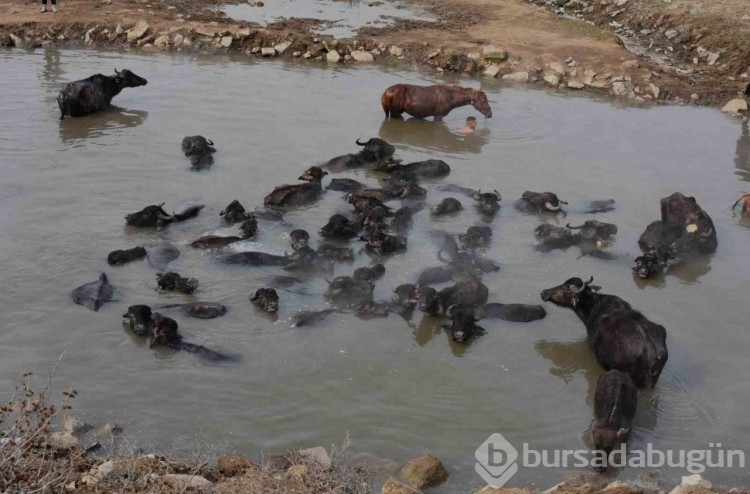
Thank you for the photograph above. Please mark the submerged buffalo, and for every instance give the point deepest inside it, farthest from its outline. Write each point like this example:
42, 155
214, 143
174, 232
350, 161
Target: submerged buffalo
172, 281
340, 228
601, 206
266, 299
463, 327
200, 151
156, 217
257, 259
615, 405
476, 237
235, 213
298, 194
540, 202
423, 169
164, 332
344, 185
449, 205
95, 294
346, 291
138, 319
621, 337
120, 257
94, 93
512, 312
160, 255
464, 292
248, 229
369, 273
198, 310
431, 101
374, 150
488, 203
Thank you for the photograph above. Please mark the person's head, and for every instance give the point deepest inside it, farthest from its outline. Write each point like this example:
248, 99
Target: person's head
471, 122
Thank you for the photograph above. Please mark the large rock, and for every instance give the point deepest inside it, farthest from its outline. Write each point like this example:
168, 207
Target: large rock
655, 90
494, 54
735, 106
178, 39
226, 41
557, 67
75, 426
696, 480
552, 80
393, 486
282, 47
205, 31
425, 471
620, 487
161, 41
517, 77
362, 56
576, 85
185, 482
233, 465
492, 71
138, 31
395, 51
318, 454
267, 51
333, 56
621, 88
63, 441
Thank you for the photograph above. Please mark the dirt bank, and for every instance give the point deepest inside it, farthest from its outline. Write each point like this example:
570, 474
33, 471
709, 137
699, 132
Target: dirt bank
517, 41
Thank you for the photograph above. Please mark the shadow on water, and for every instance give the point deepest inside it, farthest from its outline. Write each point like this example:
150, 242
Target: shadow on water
432, 135
569, 358
100, 124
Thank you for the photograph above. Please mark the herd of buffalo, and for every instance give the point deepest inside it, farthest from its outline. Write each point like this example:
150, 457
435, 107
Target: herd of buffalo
630, 347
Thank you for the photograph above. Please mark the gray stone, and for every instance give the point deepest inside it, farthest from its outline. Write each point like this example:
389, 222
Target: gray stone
178, 39
671, 34
494, 53
395, 51
297, 54
363, 56
307, 55
620, 3
476, 56
318, 454
110, 428
621, 88
119, 30
75, 426
552, 80
162, 41
394, 486
184, 482
492, 71
712, 57
138, 31
205, 31
630, 64
333, 56
226, 41
63, 441
433, 54
655, 90
244, 33
517, 77
557, 68
17, 42
267, 51
735, 106
425, 471
282, 47
575, 85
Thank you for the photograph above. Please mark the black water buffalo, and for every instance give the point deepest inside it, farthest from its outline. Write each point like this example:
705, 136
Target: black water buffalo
464, 292
120, 257
172, 281
463, 263
371, 310
448, 205
298, 194
553, 237
539, 202
425, 169
266, 299
299, 239
512, 312
334, 252
369, 274
463, 327
310, 317
434, 276
364, 205
697, 234
344, 185
621, 337
235, 212
406, 295
601, 206
165, 332
476, 237
339, 228
257, 259
380, 243
593, 235
138, 319
156, 217
615, 404
94, 93
308, 260
161, 254
402, 221
346, 291
199, 310
248, 229
373, 150
200, 151
488, 203
95, 294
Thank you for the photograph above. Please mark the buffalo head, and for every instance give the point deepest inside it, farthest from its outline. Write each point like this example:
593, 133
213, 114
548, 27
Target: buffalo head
150, 216
164, 332
567, 294
463, 318
266, 299
488, 202
126, 78
138, 318
299, 239
313, 174
406, 295
375, 150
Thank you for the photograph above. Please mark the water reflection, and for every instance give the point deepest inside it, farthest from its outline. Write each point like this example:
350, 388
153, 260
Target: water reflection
102, 123
742, 154
569, 358
52, 70
432, 135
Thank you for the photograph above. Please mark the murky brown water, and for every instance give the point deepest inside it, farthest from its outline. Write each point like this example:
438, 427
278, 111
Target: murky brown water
399, 388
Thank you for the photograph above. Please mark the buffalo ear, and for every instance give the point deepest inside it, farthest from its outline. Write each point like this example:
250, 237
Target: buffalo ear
477, 194
622, 432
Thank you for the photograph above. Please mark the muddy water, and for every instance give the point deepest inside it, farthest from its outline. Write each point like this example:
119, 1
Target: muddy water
399, 387
339, 17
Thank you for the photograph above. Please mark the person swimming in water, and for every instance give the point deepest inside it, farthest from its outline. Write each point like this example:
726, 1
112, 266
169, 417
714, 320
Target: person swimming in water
471, 124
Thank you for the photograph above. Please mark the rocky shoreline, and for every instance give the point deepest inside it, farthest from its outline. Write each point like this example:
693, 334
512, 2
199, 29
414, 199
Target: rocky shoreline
637, 79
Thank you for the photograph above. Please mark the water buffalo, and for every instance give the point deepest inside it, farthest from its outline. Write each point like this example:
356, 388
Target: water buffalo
165, 332
200, 151
512, 312
298, 194
369, 274
299, 239
310, 317
266, 299
339, 228
615, 404
344, 185
434, 276
466, 264
601, 206
539, 202
476, 237
380, 244
425, 169
156, 217
402, 221
334, 252
371, 310
488, 203
463, 327
95, 93
199, 310
553, 237
458, 189
345, 291
621, 337
364, 205
745, 209
593, 235
406, 295
306, 259
160, 255
373, 150
257, 259
235, 213
120, 257
138, 319
697, 234
172, 281
95, 294
249, 229
431, 101
448, 205
464, 292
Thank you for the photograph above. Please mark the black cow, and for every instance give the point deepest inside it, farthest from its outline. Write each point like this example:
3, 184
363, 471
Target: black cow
172, 281
200, 151
425, 169
120, 257
156, 217
95, 93
464, 292
339, 228
346, 291
539, 202
235, 212
164, 332
615, 404
476, 237
488, 203
463, 327
373, 150
621, 337
449, 205
697, 234
266, 299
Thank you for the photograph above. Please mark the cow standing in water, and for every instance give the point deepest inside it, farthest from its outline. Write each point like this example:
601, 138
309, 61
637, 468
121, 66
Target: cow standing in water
431, 101
95, 93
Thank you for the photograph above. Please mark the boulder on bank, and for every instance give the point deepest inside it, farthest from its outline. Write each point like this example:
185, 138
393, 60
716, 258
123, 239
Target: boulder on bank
425, 471
234, 465
735, 106
63, 441
394, 486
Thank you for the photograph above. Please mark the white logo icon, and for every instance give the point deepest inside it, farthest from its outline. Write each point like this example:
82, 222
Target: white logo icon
496, 460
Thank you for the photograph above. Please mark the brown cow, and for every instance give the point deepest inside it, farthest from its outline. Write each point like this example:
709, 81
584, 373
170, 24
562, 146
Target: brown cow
745, 200
431, 101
